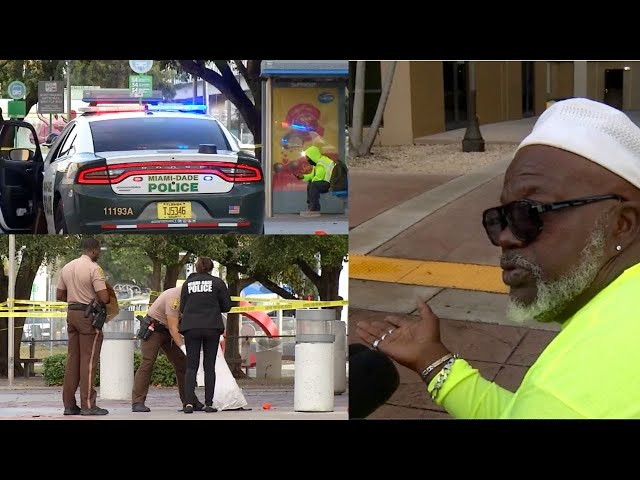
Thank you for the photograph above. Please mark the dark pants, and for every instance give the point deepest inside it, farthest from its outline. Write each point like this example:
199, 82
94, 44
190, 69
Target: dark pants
83, 354
314, 189
194, 340
160, 339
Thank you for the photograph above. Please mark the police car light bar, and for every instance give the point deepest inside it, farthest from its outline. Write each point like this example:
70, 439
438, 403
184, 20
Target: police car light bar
177, 107
113, 108
118, 95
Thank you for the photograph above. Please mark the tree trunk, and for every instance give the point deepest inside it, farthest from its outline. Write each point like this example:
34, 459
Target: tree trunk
156, 276
232, 347
171, 276
232, 90
329, 286
365, 148
358, 106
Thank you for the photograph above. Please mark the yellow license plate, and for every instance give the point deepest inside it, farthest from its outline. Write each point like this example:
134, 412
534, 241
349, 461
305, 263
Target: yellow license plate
174, 210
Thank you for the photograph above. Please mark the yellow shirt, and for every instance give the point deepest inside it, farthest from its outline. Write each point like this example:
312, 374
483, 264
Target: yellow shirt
591, 369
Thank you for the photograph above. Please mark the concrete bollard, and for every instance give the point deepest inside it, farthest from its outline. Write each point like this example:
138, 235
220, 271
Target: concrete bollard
340, 357
314, 363
116, 358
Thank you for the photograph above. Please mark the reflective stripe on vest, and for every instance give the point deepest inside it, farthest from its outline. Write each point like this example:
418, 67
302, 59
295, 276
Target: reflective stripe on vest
328, 165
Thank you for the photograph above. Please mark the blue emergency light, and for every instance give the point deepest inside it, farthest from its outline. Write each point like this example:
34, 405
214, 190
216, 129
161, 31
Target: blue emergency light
177, 107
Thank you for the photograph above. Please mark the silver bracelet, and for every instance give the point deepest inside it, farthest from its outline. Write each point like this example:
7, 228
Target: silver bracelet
442, 377
434, 365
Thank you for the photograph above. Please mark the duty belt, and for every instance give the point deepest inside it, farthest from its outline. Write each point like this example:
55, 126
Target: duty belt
77, 306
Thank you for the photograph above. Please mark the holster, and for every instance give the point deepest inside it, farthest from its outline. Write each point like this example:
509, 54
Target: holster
146, 327
97, 313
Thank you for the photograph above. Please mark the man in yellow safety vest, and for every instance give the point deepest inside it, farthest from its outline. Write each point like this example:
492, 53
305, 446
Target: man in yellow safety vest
318, 179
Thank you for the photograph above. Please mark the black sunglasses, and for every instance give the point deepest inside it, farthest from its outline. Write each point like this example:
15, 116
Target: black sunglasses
524, 217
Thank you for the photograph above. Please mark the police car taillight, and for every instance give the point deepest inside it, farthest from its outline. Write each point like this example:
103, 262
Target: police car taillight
230, 172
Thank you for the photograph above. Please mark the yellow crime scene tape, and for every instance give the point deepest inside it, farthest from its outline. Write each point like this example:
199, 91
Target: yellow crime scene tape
42, 309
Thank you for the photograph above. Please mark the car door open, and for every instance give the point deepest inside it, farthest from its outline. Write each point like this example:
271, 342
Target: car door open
21, 167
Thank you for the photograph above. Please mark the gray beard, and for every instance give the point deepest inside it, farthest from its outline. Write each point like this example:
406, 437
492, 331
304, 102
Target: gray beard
555, 296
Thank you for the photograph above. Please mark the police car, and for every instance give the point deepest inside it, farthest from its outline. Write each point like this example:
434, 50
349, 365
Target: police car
123, 166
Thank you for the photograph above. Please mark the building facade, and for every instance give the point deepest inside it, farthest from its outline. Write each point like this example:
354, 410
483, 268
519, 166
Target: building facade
429, 97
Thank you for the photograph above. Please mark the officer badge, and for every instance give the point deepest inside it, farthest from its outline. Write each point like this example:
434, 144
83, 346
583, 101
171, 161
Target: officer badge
175, 304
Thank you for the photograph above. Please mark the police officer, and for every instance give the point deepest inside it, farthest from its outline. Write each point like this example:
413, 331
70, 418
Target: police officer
81, 282
163, 315
203, 299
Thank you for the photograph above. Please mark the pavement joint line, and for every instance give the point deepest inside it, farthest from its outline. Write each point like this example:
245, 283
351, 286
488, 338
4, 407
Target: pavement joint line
377, 231
459, 276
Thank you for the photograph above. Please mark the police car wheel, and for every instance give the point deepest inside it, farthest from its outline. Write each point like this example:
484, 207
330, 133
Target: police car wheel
58, 219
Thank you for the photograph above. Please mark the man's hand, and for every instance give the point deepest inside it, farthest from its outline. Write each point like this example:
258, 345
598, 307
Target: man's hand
412, 343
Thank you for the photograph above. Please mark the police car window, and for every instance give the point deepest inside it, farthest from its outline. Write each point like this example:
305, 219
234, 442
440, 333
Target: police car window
68, 142
155, 133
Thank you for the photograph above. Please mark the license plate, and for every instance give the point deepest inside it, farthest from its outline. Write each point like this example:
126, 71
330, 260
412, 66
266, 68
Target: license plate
174, 210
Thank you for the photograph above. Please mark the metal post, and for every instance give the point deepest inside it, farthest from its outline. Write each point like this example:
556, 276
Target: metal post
205, 94
10, 304
68, 94
195, 89
473, 141
267, 150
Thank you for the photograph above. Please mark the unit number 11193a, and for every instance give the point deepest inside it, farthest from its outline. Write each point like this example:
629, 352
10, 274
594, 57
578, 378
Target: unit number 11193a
118, 211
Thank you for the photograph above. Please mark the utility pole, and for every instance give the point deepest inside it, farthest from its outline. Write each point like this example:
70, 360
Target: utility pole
473, 141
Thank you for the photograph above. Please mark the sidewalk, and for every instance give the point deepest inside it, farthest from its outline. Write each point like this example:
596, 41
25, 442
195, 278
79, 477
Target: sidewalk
290, 224
31, 399
422, 235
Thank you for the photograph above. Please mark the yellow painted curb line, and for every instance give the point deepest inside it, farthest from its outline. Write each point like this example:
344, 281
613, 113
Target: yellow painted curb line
463, 276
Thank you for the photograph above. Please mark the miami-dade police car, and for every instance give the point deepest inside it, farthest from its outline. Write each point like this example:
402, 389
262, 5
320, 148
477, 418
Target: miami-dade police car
149, 168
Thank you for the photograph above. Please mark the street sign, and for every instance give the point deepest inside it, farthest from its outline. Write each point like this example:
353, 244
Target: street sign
51, 97
77, 91
140, 85
17, 108
17, 89
141, 66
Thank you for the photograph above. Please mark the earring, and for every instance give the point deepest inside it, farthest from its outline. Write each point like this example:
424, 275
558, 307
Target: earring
618, 248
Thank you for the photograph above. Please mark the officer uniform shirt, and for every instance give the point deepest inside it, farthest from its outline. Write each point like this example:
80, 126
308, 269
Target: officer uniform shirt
167, 303
202, 300
81, 278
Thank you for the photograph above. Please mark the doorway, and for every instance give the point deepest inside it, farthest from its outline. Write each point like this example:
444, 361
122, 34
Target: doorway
613, 82
528, 89
455, 76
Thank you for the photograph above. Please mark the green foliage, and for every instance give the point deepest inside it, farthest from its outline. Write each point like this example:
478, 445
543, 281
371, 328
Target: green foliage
32, 248
30, 72
163, 374
115, 74
54, 369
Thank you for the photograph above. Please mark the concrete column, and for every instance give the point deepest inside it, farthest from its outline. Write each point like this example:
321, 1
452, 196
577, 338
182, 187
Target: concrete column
314, 364
580, 79
340, 357
116, 358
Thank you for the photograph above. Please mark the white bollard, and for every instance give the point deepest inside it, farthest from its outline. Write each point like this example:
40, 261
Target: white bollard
340, 357
313, 382
314, 363
116, 358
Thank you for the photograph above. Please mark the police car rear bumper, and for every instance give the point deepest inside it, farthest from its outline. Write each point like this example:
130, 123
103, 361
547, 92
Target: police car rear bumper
96, 209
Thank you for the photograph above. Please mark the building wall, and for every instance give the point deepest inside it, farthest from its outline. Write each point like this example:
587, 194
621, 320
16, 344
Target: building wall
631, 82
427, 100
398, 126
513, 92
561, 79
491, 106
540, 87
415, 106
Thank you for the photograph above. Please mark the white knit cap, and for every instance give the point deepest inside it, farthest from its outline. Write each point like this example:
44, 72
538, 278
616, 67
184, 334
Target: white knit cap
593, 130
